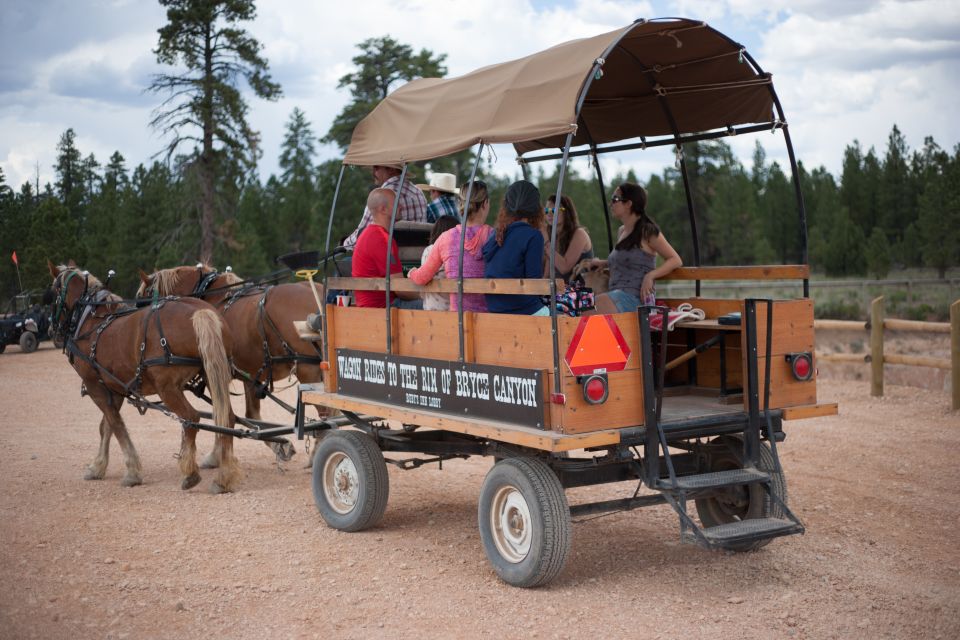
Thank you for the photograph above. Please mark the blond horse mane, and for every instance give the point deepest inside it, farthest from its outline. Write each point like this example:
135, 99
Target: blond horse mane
166, 280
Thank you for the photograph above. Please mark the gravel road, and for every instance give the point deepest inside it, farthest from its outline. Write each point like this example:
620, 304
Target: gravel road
877, 488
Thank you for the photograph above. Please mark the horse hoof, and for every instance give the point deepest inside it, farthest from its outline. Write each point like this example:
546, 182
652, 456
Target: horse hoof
90, 474
285, 451
131, 481
209, 462
216, 488
190, 481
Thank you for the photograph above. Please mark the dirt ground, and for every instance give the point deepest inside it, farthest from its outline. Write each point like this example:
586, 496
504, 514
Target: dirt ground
876, 487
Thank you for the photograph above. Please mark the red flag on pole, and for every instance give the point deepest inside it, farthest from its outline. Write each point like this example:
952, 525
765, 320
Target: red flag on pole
14, 258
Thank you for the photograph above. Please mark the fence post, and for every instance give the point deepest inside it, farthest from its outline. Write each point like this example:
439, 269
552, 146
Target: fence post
955, 352
876, 347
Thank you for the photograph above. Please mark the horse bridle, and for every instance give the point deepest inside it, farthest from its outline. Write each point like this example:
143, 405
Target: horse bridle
64, 317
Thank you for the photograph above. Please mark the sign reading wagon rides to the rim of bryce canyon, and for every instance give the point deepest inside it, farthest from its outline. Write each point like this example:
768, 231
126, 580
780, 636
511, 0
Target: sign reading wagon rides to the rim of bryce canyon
465, 389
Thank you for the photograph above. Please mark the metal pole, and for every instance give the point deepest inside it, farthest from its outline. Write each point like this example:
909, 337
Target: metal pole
463, 241
393, 219
603, 197
554, 330
333, 209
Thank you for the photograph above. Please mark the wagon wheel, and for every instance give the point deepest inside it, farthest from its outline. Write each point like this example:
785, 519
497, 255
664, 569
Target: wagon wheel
741, 502
350, 481
28, 342
524, 521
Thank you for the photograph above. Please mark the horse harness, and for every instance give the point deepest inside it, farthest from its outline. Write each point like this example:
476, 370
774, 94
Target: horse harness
265, 325
88, 302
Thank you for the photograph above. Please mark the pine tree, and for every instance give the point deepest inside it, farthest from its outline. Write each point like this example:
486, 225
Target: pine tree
939, 219
382, 65
205, 107
896, 197
71, 173
298, 211
878, 254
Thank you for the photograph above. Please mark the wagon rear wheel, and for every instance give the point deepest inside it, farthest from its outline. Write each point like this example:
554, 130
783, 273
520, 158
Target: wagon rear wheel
28, 342
742, 502
350, 481
524, 521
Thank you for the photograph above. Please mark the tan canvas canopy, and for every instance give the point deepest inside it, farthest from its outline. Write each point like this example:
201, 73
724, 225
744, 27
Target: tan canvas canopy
661, 77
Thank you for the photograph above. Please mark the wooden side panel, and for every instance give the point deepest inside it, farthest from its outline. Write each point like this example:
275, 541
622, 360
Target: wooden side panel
513, 341
428, 334
357, 328
785, 390
330, 376
759, 272
623, 408
792, 326
792, 332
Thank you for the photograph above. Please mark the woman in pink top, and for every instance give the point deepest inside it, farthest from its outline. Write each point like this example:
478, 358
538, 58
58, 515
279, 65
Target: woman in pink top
446, 250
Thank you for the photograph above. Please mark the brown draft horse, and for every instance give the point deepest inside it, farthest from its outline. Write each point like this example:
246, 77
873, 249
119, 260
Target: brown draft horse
123, 353
267, 346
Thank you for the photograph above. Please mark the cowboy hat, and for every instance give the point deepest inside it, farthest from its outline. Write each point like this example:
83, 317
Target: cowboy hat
446, 182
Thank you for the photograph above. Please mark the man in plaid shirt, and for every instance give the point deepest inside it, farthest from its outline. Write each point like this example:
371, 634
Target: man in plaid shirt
413, 206
444, 196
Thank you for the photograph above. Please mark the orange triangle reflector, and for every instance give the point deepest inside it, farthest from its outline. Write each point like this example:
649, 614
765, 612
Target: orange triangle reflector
597, 344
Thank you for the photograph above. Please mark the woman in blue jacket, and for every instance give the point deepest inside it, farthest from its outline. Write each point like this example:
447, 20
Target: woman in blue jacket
516, 250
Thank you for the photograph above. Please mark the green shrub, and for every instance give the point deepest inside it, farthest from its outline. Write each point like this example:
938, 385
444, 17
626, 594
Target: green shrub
838, 310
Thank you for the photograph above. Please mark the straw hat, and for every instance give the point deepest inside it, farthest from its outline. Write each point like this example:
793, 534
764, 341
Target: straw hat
446, 182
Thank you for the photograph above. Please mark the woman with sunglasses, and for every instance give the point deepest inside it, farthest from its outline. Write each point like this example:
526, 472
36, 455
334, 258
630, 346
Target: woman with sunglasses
573, 241
632, 263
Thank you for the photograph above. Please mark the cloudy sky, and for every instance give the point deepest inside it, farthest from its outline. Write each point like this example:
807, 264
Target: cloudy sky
844, 69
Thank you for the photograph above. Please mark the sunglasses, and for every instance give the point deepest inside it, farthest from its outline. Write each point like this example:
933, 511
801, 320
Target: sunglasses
553, 210
616, 199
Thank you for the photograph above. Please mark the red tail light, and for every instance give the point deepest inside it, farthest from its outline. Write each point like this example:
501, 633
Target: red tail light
595, 389
801, 364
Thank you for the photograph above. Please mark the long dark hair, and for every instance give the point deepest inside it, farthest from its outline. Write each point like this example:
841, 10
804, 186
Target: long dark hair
645, 228
506, 218
571, 221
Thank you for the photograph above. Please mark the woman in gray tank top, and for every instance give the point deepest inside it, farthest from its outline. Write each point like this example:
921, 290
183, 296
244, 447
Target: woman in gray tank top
632, 263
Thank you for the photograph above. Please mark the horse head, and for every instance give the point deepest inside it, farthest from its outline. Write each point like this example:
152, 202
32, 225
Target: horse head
70, 285
184, 281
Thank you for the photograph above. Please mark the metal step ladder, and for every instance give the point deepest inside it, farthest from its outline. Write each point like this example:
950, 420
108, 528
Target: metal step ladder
677, 490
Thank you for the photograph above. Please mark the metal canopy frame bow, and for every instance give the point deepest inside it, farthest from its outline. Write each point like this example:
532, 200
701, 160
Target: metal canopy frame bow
657, 82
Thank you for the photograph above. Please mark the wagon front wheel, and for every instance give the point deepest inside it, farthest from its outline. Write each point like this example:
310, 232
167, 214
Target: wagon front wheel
28, 342
524, 521
350, 481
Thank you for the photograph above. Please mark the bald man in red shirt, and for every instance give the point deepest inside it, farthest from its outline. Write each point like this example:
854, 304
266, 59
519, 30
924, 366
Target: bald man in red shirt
370, 254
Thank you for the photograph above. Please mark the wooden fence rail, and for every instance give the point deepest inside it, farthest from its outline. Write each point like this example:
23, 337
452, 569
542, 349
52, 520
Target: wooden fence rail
876, 358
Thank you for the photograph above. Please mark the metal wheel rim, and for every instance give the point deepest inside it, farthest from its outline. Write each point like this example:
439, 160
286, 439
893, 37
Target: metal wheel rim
733, 503
341, 483
510, 524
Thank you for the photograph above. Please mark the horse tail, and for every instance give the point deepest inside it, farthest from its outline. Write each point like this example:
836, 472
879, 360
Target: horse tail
213, 353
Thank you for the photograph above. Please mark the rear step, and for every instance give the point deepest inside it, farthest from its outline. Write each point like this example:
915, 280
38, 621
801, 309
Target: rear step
714, 480
745, 531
